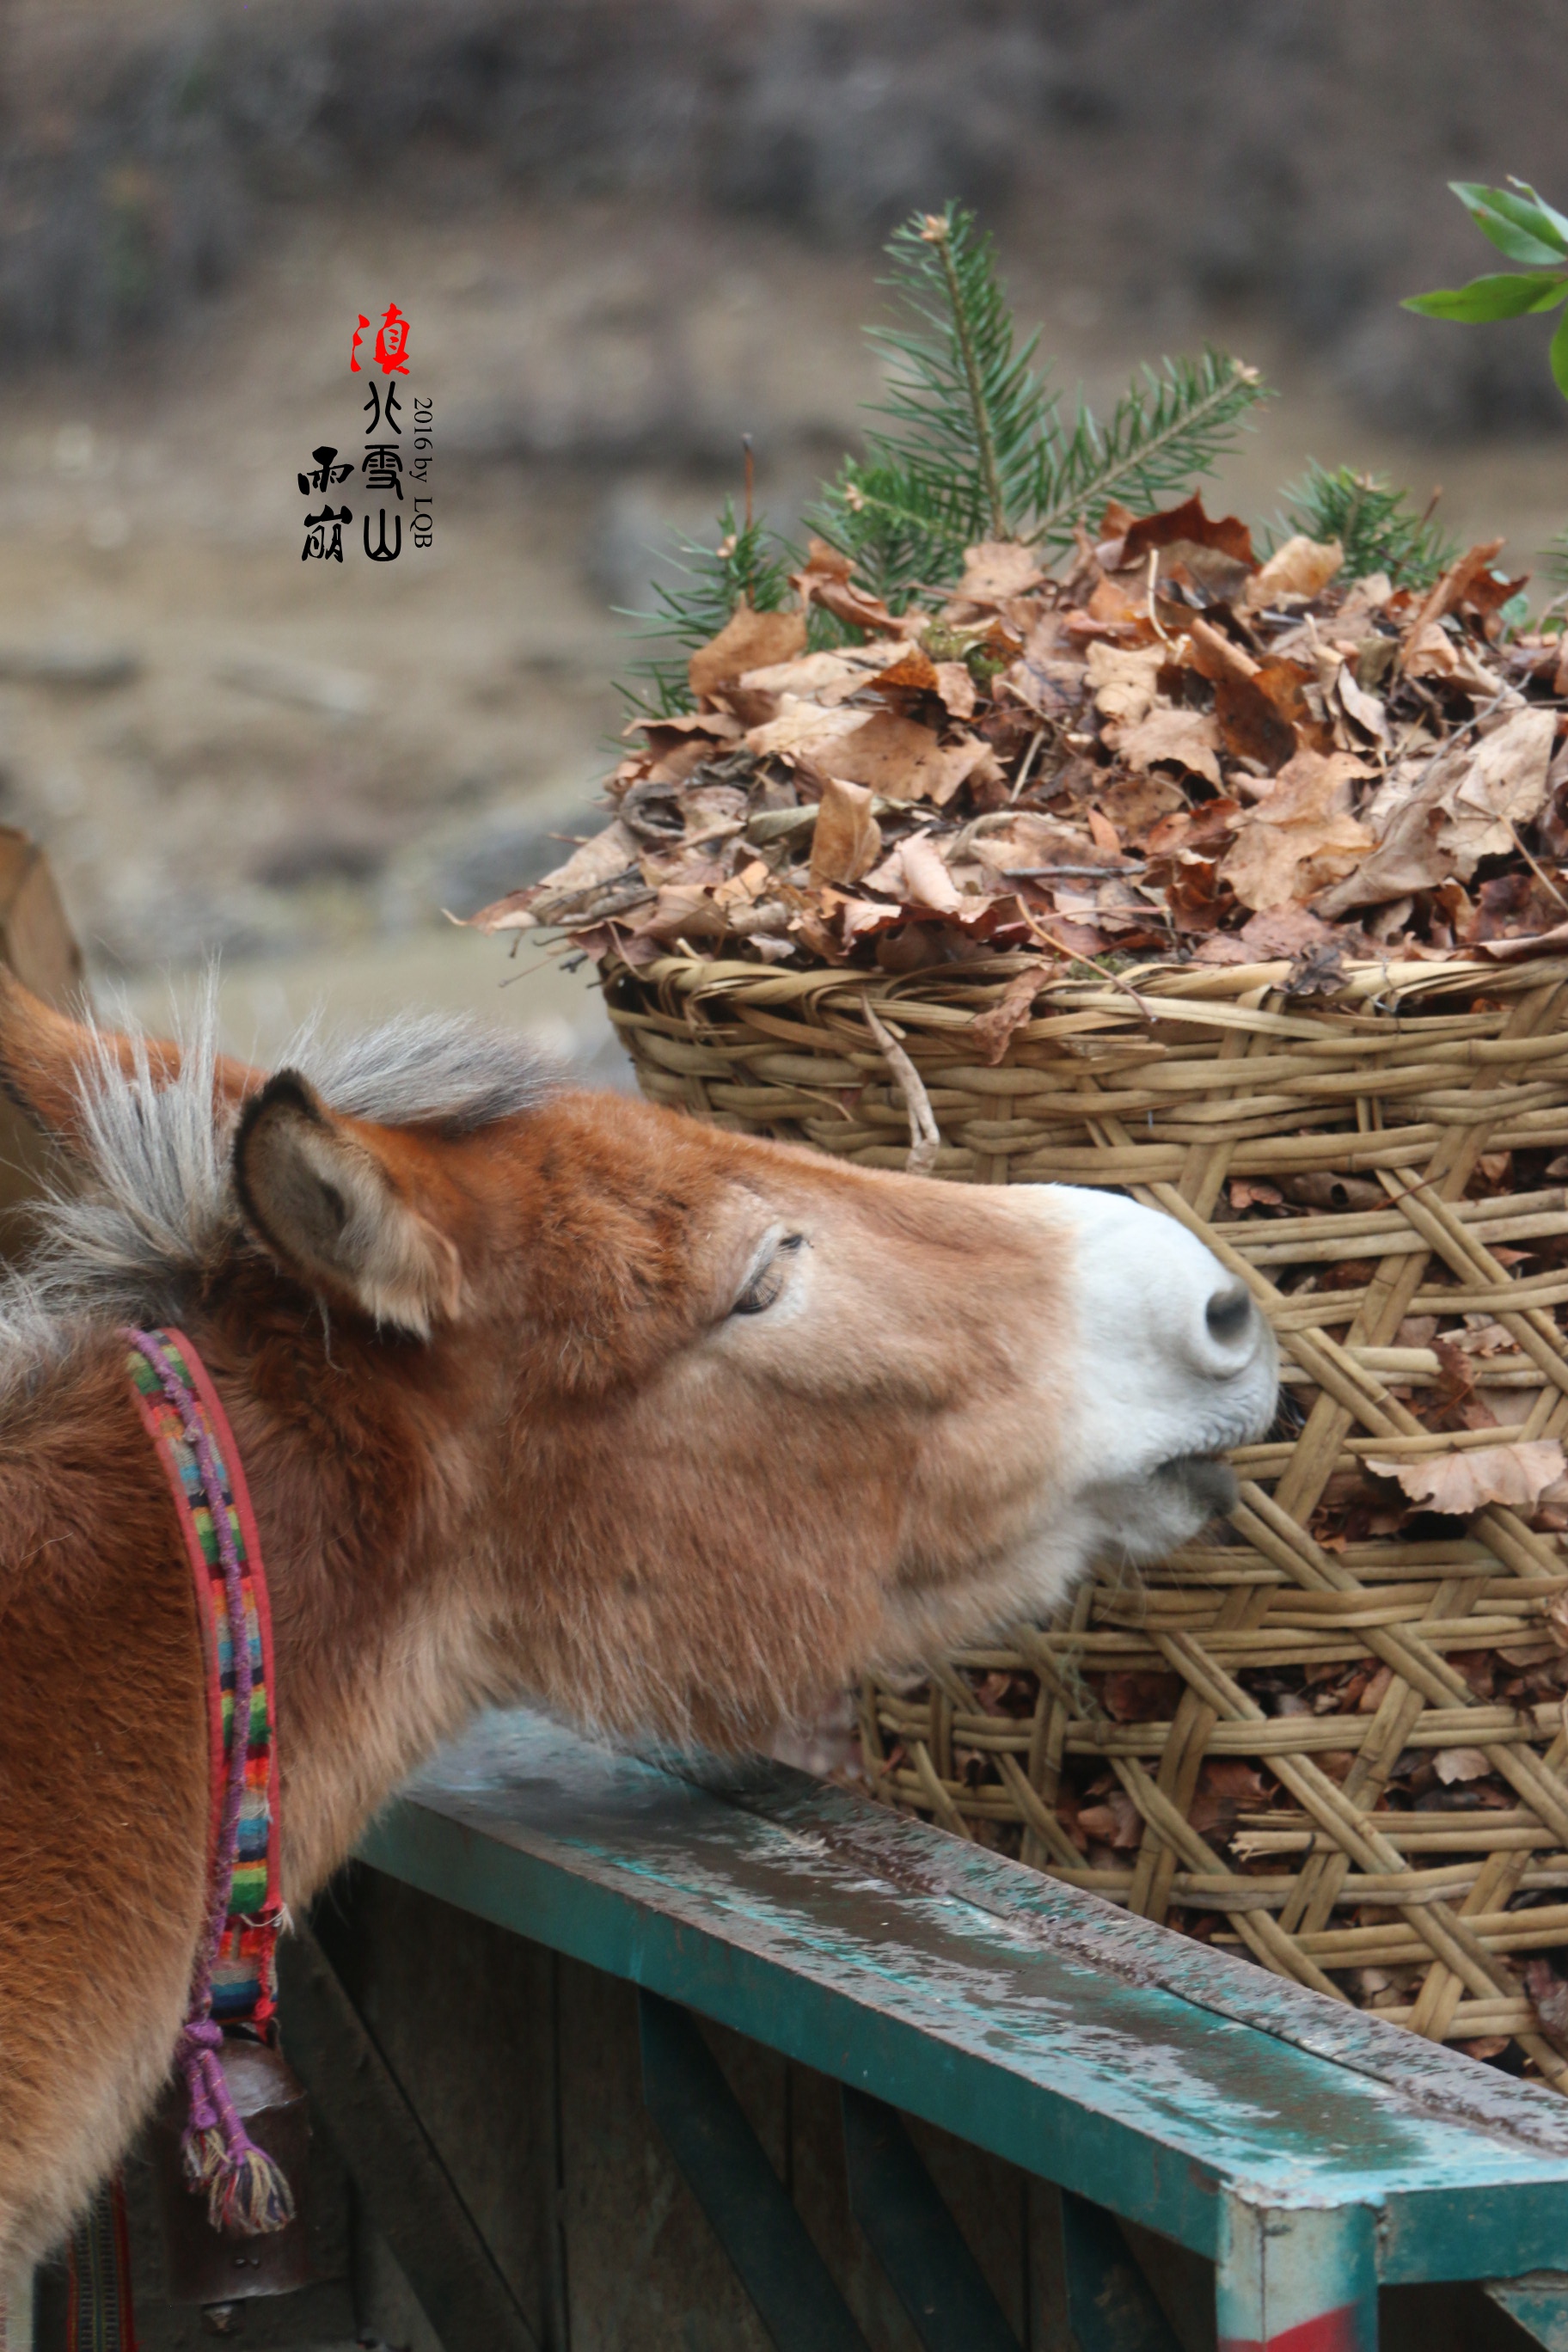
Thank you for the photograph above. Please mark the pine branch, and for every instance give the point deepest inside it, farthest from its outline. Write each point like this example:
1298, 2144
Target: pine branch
1174, 426
1377, 526
968, 446
905, 529
749, 560
938, 232
965, 412
973, 445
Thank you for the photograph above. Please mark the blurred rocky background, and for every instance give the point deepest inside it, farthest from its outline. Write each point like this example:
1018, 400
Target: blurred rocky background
625, 232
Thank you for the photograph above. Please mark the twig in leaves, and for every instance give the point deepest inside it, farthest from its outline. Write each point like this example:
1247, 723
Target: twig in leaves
1539, 871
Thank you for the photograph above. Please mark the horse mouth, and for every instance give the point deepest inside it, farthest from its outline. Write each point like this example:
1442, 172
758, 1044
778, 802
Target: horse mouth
1206, 1479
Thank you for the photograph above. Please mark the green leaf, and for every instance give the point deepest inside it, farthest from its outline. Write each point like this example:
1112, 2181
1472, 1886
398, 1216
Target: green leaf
1508, 295
1559, 223
1559, 357
1526, 231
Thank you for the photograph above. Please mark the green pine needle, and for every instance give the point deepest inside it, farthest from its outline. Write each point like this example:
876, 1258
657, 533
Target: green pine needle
972, 447
748, 562
966, 445
1377, 526
1165, 432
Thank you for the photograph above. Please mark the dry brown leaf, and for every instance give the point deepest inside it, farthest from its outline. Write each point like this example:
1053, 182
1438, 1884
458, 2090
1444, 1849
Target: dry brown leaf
1029, 842
846, 840
1367, 709
1376, 1691
926, 878
1435, 654
1438, 817
1227, 533
1250, 1193
1456, 1764
1512, 951
1451, 589
594, 863
1214, 656
1287, 931
1324, 1188
1186, 738
913, 672
956, 687
898, 758
747, 641
1548, 1995
1302, 837
991, 1031
825, 580
1260, 707
684, 910
805, 726
1404, 816
1503, 787
996, 572
1115, 1820
1460, 1483
825, 679
1136, 805
1122, 679
1302, 567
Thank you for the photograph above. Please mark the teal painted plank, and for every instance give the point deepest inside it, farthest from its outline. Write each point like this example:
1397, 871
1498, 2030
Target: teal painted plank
1538, 2303
1123, 2062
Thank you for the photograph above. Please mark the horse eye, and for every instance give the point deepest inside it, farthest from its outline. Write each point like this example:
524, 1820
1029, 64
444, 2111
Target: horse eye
766, 1283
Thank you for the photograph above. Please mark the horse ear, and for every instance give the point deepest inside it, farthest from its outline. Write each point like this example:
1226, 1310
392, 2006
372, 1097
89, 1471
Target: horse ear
343, 1205
46, 1054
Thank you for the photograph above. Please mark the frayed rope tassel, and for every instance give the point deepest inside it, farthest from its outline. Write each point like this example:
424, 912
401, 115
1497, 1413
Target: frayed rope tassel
246, 2189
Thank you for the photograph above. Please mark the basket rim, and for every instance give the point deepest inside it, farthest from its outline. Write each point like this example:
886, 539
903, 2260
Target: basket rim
1370, 988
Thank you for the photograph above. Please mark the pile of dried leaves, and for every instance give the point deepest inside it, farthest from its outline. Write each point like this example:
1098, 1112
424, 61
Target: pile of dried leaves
1175, 754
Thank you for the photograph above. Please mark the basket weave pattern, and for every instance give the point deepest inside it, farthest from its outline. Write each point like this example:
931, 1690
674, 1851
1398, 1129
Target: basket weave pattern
1170, 1084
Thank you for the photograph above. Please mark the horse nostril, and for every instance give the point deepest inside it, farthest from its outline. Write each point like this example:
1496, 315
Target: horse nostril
1227, 1316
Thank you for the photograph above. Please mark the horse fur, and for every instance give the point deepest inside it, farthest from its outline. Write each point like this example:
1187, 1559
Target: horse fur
539, 1393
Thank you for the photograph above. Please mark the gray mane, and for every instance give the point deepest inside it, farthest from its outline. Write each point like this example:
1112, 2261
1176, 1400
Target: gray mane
158, 1209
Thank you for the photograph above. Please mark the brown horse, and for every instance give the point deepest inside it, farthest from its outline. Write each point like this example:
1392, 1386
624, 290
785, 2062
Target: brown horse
539, 1393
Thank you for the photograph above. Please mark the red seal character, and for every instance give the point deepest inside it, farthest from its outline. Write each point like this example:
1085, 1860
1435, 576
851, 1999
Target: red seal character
392, 342
354, 347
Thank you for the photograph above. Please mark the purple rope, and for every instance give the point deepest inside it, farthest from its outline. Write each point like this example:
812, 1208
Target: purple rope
201, 2038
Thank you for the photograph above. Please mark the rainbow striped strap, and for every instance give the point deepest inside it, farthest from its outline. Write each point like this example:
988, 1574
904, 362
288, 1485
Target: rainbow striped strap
244, 1983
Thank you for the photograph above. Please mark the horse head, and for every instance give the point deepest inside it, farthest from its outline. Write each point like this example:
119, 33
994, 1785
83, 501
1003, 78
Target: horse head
713, 1422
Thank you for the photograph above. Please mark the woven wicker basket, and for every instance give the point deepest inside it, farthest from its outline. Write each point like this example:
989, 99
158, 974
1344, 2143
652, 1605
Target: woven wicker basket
1170, 1084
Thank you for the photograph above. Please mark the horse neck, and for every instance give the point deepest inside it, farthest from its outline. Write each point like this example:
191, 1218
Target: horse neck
367, 1469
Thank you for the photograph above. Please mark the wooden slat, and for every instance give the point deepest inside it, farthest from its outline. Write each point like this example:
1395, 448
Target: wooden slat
1159, 2078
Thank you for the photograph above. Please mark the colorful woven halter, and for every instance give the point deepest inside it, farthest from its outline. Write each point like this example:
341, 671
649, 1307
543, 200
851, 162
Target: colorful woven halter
234, 1984
235, 1980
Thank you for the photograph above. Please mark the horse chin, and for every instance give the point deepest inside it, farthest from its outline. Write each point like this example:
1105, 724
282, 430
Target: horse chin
1168, 1507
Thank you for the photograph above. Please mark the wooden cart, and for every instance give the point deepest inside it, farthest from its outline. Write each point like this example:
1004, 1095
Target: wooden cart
629, 2056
